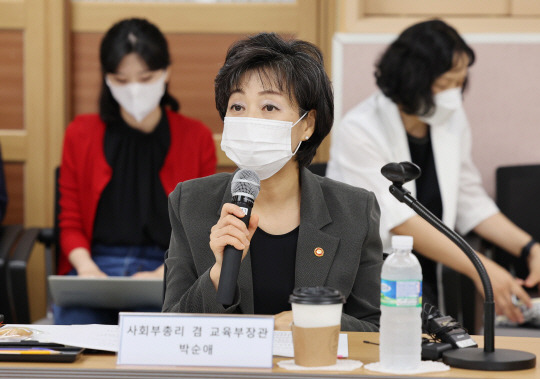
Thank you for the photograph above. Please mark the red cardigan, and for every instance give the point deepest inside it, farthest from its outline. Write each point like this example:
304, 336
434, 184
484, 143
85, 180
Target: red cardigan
84, 172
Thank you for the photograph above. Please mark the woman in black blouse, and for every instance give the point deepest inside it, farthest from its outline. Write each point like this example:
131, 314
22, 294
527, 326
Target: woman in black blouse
305, 230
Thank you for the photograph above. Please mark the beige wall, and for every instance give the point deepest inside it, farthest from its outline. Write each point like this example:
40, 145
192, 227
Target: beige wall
48, 71
33, 69
46, 79
468, 16
501, 100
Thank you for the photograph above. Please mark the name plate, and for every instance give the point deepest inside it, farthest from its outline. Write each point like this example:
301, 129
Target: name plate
185, 339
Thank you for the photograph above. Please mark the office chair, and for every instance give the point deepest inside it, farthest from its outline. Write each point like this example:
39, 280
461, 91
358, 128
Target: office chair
17, 273
9, 234
17, 266
518, 197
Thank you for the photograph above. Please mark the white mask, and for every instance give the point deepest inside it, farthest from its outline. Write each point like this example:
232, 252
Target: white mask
257, 144
446, 103
138, 99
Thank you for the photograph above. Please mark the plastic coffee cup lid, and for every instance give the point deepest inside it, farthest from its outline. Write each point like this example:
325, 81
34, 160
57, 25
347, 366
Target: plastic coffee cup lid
316, 295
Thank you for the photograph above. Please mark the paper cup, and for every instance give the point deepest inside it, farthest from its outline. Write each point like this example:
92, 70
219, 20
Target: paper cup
316, 324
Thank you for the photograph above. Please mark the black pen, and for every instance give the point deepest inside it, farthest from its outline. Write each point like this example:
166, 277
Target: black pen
372, 343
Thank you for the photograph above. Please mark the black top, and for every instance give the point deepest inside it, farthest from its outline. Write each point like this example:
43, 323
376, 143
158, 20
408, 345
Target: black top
427, 193
272, 264
133, 209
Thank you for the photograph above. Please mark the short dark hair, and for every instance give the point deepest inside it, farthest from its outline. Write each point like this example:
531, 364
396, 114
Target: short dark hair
408, 68
295, 67
137, 36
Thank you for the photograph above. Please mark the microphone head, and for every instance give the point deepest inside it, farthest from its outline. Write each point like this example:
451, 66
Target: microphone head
245, 183
411, 171
392, 171
401, 173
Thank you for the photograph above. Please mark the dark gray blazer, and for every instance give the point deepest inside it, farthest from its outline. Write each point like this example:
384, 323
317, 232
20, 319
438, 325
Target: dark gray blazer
341, 219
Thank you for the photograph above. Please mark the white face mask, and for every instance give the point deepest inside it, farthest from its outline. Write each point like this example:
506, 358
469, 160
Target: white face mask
446, 103
138, 99
257, 144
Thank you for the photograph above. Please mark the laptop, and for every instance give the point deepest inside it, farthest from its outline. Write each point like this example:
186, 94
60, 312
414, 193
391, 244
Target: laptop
114, 292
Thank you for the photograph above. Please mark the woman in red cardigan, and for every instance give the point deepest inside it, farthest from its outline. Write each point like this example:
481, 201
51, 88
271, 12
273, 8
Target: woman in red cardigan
118, 167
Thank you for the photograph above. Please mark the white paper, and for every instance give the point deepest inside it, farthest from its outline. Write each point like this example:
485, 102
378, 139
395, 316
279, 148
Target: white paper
107, 338
94, 336
283, 344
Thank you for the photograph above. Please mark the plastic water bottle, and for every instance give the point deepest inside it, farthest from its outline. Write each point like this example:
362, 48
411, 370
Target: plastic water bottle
401, 307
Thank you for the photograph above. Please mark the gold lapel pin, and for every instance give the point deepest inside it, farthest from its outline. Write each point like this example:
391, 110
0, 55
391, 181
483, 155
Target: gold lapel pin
319, 252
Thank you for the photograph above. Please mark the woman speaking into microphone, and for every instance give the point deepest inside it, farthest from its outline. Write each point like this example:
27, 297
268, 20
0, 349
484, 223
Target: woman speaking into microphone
305, 230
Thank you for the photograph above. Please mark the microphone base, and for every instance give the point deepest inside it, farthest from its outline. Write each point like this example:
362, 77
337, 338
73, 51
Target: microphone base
498, 360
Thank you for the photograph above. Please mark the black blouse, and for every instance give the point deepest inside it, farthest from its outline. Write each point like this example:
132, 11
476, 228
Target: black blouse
272, 265
427, 185
132, 209
429, 194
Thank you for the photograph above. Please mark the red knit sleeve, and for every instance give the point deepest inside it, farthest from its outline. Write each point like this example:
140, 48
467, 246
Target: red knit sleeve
70, 218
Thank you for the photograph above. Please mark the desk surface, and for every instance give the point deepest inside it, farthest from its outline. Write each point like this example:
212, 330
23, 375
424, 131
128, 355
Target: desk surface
104, 366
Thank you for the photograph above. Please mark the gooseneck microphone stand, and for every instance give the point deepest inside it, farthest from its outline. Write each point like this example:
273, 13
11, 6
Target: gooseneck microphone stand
469, 358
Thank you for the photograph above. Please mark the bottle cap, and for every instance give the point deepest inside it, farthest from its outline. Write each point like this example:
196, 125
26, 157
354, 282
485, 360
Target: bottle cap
402, 242
316, 295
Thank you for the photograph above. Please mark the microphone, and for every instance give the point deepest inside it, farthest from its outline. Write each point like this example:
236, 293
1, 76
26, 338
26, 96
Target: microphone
245, 187
401, 173
470, 358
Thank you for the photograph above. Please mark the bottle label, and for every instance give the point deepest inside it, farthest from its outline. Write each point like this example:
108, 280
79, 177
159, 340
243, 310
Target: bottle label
401, 293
